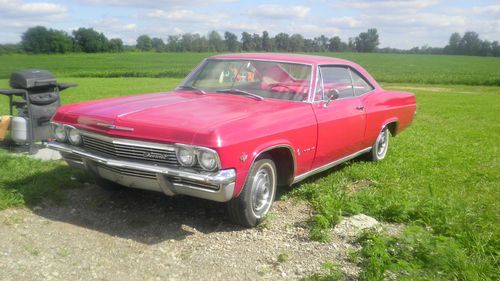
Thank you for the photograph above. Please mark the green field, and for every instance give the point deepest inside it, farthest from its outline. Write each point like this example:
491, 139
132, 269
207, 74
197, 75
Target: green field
441, 177
394, 68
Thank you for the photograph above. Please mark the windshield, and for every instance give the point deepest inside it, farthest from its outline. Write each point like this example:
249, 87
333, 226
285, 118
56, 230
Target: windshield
275, 80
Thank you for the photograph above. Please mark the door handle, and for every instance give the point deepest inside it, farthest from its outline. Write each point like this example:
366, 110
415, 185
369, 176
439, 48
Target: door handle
360, 107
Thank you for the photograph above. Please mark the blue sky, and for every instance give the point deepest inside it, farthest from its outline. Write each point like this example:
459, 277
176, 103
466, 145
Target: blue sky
401, 24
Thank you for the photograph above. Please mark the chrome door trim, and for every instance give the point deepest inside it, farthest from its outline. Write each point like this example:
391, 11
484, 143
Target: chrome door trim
329, 165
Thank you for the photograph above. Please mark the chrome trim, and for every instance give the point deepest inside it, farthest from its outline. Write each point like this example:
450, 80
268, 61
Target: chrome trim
329, 165
271, 148
350, 68
225, 179
129, 141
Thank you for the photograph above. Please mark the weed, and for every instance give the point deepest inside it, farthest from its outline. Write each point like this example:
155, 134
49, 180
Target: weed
283, 257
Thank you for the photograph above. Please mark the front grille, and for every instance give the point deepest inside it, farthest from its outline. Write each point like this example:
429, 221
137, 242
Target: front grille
133, 152
129, 172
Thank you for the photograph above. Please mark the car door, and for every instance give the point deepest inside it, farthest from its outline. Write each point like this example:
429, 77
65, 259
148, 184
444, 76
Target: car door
341, 122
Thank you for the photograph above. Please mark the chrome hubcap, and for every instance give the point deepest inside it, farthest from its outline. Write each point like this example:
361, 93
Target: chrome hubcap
261, 191
382, 143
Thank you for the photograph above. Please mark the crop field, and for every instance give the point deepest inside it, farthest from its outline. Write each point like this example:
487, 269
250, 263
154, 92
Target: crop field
394, 68
441, 178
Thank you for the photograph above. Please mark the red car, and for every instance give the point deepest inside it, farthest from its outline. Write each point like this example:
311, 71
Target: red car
238, 127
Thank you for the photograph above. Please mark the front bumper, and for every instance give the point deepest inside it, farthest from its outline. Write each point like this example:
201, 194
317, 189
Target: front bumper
215, 186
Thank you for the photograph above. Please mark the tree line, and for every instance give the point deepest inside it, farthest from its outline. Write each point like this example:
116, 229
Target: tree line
44, 40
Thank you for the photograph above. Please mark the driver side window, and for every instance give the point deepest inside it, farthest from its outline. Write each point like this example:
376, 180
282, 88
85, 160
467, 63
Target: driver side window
337, 77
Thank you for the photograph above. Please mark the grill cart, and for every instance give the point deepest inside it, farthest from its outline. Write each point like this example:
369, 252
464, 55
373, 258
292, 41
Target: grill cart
35, 95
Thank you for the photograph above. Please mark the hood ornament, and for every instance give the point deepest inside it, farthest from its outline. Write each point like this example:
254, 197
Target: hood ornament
114, 127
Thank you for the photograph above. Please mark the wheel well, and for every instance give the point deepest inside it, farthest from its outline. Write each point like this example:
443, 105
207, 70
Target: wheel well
393, 127
285, 164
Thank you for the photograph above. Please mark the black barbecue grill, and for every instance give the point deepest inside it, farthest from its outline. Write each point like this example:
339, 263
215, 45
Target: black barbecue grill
35, 95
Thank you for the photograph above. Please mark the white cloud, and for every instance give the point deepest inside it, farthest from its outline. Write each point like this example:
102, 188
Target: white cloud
17, 16
272, 11
389, 4
184, 15
345, 22
491, 10
17, 9
154, 3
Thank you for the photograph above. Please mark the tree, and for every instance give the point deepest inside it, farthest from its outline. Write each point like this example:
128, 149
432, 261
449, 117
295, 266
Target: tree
157, 44
90, 41
247, 43
367, 41
321, 43
42, 40
266, 42
335, 44
257, 42
115, 45
296, 43
282, 41
495, 49
144, 43
186, 42
470, 44
10, 48
231, 41
174, 43
453, 44
215, 41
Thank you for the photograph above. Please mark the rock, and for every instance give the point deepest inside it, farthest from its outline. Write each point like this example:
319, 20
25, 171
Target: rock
352, 226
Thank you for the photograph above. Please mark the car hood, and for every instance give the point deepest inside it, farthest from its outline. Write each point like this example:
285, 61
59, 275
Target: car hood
169, 117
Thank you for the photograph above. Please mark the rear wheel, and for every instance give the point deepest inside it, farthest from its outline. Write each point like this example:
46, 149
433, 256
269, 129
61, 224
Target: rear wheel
254, 202
379, 149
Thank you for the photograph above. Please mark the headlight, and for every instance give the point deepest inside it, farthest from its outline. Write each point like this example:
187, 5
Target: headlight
74, 136
207, 160
186, 156
59, 132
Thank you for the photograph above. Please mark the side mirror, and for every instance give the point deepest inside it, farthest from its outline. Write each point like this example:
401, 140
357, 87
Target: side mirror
332, 94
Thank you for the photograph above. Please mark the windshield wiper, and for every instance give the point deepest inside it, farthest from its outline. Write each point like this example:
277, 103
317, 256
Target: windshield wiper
240, 92
185, 87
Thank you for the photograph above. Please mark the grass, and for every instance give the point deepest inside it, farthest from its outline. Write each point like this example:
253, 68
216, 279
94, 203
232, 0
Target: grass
441, 177
394, 68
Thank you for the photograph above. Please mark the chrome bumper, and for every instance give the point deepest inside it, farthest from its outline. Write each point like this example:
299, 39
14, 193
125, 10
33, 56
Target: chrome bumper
216, 186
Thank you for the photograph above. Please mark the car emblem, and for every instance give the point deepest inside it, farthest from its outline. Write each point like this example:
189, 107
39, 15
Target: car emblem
243, 157
114, 127
155, 155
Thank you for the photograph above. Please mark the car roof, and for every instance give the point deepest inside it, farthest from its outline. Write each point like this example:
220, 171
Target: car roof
286, 57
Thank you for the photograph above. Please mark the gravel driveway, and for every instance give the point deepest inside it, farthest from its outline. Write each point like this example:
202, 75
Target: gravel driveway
137, 235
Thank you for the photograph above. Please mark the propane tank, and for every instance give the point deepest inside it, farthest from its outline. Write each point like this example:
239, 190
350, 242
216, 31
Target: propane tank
19, 130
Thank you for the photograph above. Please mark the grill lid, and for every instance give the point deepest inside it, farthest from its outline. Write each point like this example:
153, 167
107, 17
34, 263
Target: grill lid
32, 78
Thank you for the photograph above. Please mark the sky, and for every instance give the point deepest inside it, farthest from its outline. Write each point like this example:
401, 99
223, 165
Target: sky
401, 24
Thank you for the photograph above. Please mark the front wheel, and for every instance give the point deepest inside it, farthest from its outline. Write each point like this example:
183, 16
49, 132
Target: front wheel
379, 149
251, 206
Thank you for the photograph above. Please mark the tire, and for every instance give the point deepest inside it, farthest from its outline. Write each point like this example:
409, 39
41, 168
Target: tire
255, 200
379, 149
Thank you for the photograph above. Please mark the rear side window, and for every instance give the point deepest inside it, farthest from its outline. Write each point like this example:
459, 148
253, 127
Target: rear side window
337, 77
360, 85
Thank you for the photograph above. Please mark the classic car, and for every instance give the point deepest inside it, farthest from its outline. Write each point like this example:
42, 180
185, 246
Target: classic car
237, 128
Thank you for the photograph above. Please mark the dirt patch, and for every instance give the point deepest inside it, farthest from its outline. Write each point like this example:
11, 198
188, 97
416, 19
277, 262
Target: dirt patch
357, 186
135, 235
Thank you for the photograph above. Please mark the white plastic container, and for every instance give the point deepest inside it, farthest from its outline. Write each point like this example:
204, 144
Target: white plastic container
19, 130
